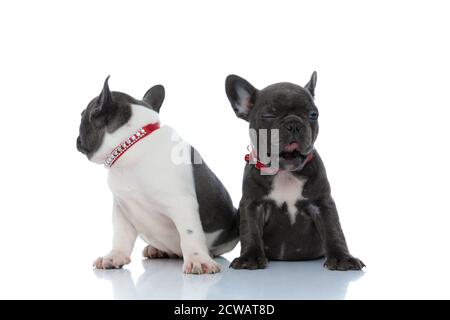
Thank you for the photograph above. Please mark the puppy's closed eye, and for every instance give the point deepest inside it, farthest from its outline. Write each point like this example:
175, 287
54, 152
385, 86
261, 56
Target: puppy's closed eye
267, 116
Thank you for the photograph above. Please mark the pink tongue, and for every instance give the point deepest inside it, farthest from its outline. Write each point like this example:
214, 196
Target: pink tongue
291, 147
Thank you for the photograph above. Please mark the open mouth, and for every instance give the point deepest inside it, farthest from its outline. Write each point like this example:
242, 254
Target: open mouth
292, 152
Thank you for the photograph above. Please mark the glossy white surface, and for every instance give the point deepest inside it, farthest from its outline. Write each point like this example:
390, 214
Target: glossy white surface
63, 276
282, 280
163, 279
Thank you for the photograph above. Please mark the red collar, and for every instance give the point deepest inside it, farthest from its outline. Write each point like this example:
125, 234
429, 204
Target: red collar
128, 143
252, 157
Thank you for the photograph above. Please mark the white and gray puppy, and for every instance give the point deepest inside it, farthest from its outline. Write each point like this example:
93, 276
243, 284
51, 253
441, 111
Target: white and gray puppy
163, 192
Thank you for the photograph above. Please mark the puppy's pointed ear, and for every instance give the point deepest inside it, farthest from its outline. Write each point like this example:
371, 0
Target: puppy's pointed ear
155, 97
242, 95
104, 105
311, 85
105, 97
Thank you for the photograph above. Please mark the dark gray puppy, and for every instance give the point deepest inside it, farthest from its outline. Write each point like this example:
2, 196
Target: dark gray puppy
286, 210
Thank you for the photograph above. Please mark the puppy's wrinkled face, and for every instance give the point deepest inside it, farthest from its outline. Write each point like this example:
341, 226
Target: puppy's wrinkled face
283, 116
107, 113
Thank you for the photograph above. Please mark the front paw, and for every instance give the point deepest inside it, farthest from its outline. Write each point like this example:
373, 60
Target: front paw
343, 263
113, 260
199, 264
251, 263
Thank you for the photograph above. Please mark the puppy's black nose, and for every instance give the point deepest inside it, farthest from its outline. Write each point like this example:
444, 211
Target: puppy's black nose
79, 147
293, 126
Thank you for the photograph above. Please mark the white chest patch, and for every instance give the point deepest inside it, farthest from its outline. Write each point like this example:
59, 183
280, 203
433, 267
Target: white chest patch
287, 188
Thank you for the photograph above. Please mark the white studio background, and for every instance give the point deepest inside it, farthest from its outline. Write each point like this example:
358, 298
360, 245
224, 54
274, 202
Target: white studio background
383, 95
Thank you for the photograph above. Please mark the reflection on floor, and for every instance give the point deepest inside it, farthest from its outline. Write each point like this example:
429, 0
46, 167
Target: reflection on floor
163, 279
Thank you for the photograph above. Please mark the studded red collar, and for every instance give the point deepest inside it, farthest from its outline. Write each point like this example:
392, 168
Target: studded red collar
128, 143
252, 157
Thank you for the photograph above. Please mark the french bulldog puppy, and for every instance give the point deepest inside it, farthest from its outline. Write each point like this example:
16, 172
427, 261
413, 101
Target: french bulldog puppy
286, 210
163, 192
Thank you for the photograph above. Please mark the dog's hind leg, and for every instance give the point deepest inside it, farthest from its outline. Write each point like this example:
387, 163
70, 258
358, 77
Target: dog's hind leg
184, 213
151, 252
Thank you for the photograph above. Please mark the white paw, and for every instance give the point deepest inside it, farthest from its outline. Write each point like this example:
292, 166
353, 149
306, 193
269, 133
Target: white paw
113, 260
153, 253
199, 264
